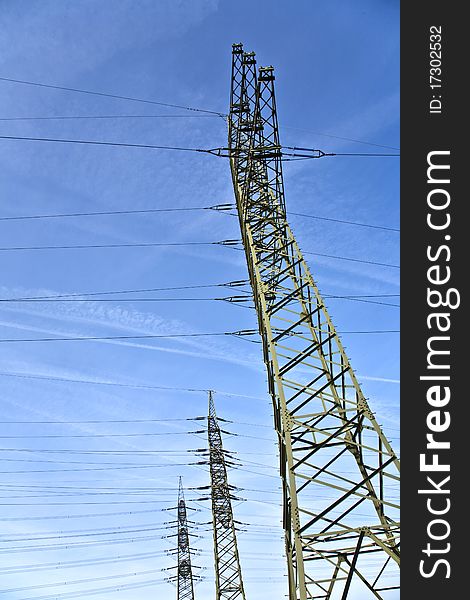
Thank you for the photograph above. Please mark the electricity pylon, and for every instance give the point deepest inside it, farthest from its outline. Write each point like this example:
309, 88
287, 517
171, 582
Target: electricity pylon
184, 577
228, 576
339, 472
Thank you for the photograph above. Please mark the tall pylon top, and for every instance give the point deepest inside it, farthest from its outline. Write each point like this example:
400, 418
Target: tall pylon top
180, 490
212, 412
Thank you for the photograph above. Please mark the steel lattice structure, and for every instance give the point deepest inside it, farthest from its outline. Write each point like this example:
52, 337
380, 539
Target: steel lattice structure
228, 576
184, 577
338, 470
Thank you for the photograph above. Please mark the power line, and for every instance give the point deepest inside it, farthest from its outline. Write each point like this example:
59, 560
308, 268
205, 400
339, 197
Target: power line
197, 299
124, 245
372, 331
51, 485
347, 258
40, 300
77, 581
344, 221
108, 95
78, 117
149, 453
82, 515
46, 487
77, 563
220, 152
120, 337
73, 545
75, 451
81, 462
338, 137
362, 154
315, 153
227, 243
146, 101
94, 422
122, 384
355, 299
157, 336
96, 591
111, 212
117, 468
97, 421
98, 435
88, 534
174, 288
133, 291
219, 208
81, 502
357, 296
99, 143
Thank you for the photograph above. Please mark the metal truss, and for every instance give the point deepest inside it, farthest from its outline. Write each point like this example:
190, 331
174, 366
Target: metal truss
339, 472
184, 577
228, 576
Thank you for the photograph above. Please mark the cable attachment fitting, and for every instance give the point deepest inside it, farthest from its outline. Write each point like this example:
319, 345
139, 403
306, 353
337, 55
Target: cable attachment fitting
222, 207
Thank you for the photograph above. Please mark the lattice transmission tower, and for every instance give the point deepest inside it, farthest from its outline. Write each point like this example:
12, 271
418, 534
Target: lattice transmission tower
228, 576
184, 578
339, 472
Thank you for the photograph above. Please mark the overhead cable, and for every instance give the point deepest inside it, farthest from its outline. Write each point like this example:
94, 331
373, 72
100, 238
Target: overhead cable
238, 334
77, 581
228, 243
134, 291
123, 384
108, 95
94, 117
231, 299
70, 564
221, 208
220, 152
348, 258
218, 208
338, 137
123, 245
82, 515
96, 591
369, 225
117, 144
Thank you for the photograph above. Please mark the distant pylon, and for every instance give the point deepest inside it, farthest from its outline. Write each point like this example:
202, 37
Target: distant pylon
185, 583
184, 578
228, 576
339, 472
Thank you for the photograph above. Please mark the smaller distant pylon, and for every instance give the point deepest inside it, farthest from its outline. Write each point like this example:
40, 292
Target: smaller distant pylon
184, 578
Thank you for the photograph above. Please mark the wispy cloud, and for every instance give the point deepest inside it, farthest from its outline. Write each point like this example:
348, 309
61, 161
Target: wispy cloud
127, 321
382, 379
46, 29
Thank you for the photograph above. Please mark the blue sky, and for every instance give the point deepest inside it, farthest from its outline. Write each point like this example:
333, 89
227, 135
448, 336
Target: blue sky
337, 73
